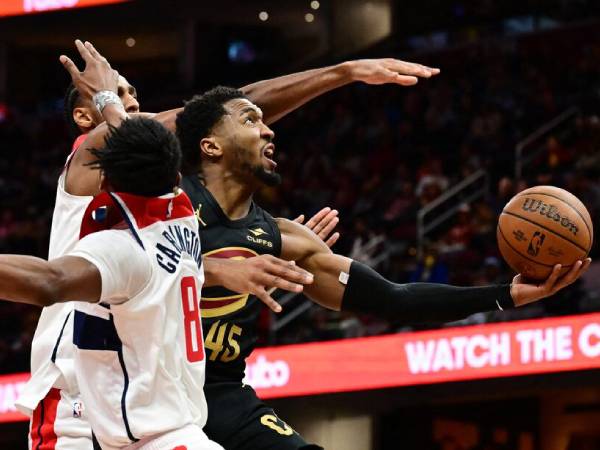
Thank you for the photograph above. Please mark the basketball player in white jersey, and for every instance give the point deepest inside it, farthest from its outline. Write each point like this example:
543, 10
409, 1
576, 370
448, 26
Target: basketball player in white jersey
51, 396
135, 277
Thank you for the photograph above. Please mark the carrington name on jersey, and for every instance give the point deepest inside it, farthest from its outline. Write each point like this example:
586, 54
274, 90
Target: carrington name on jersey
181, 239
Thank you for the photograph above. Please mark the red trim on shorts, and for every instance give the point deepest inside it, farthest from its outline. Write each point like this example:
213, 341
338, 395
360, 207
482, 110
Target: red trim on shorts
180, 447
36, 421
42, 432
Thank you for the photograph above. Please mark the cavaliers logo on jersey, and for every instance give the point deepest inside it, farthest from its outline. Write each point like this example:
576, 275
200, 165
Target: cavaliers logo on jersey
219, 306
258, 232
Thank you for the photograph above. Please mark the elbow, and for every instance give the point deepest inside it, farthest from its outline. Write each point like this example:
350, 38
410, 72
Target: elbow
46, 290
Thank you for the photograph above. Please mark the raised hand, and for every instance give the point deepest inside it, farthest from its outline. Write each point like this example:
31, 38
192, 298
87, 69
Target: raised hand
97, 75
389, 70
524, 292
323, 223
260, 276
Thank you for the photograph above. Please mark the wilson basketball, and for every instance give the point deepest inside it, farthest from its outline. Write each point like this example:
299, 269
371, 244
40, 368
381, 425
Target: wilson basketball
543, 226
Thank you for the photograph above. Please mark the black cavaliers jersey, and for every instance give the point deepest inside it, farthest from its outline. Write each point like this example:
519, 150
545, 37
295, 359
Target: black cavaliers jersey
230, 319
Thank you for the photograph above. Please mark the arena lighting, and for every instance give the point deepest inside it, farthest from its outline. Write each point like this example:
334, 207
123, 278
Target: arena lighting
263, 15
315, 4
452, 354
309, 17
130, 42
23, 7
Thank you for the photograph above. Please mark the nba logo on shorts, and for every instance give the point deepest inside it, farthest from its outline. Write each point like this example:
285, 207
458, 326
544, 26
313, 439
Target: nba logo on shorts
77, 409
536, 243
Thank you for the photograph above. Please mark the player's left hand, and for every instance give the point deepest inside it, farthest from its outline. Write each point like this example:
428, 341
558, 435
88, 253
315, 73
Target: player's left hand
323, 223
389, 70
97, 75
523, 292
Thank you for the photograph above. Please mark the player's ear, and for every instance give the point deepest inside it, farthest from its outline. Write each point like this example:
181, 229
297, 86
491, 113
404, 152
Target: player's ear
104, 186
83, 118
210, 147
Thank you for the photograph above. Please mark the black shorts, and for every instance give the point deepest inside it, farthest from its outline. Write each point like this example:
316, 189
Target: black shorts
239, 420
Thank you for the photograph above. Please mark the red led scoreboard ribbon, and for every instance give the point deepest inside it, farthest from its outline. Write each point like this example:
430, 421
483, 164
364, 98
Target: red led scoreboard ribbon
20, 7
451, 354
10, 388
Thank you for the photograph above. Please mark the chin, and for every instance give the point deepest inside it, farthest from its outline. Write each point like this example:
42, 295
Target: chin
269, 178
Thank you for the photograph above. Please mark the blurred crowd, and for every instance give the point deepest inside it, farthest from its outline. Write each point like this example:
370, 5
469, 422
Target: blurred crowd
378, 155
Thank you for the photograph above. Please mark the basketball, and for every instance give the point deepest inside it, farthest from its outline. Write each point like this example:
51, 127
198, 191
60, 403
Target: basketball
543, 226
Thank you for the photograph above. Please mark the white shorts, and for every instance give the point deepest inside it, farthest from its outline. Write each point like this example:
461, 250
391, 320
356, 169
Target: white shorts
58, 423
190, 437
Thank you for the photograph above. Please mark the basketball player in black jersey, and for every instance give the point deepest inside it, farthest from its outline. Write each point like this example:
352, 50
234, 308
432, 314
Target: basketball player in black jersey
277, 97
229, 151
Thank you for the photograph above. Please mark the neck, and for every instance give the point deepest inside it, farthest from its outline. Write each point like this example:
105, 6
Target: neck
233, 197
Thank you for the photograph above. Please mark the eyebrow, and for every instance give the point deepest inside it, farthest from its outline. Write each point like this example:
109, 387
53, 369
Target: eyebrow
251, 109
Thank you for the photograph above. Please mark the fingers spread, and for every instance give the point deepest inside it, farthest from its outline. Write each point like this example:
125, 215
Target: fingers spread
69, 65
264, 296
290, 272
281, 283
575, 272
314, 220
83, 51
93, 51
299, 219
325, 222
552, 279
333, 239
329, 227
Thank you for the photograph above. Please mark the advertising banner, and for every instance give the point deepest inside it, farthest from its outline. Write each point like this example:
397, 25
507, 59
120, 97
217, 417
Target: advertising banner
450, 354
10, 388
20, 7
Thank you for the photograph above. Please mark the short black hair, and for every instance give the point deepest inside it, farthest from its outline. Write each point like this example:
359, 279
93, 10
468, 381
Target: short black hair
139, 157
70, 102
197, 119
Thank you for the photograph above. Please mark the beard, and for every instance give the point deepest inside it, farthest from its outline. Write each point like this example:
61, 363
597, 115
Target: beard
270, 179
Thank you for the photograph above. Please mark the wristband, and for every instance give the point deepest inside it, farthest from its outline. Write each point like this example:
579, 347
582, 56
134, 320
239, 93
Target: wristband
103, 98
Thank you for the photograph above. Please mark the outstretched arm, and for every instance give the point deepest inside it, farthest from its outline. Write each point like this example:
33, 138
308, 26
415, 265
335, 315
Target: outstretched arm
280, 96
26, 279
256, 276
340, 283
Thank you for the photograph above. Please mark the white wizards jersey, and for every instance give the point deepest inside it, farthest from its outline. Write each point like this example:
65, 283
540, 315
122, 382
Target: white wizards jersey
139, 360
51, 349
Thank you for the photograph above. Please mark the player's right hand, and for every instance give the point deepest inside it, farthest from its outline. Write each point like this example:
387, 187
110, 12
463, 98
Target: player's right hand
524, 292
389, 70
261, 275
97, 75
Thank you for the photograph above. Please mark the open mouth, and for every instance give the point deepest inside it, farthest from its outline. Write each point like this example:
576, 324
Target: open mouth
268, 152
